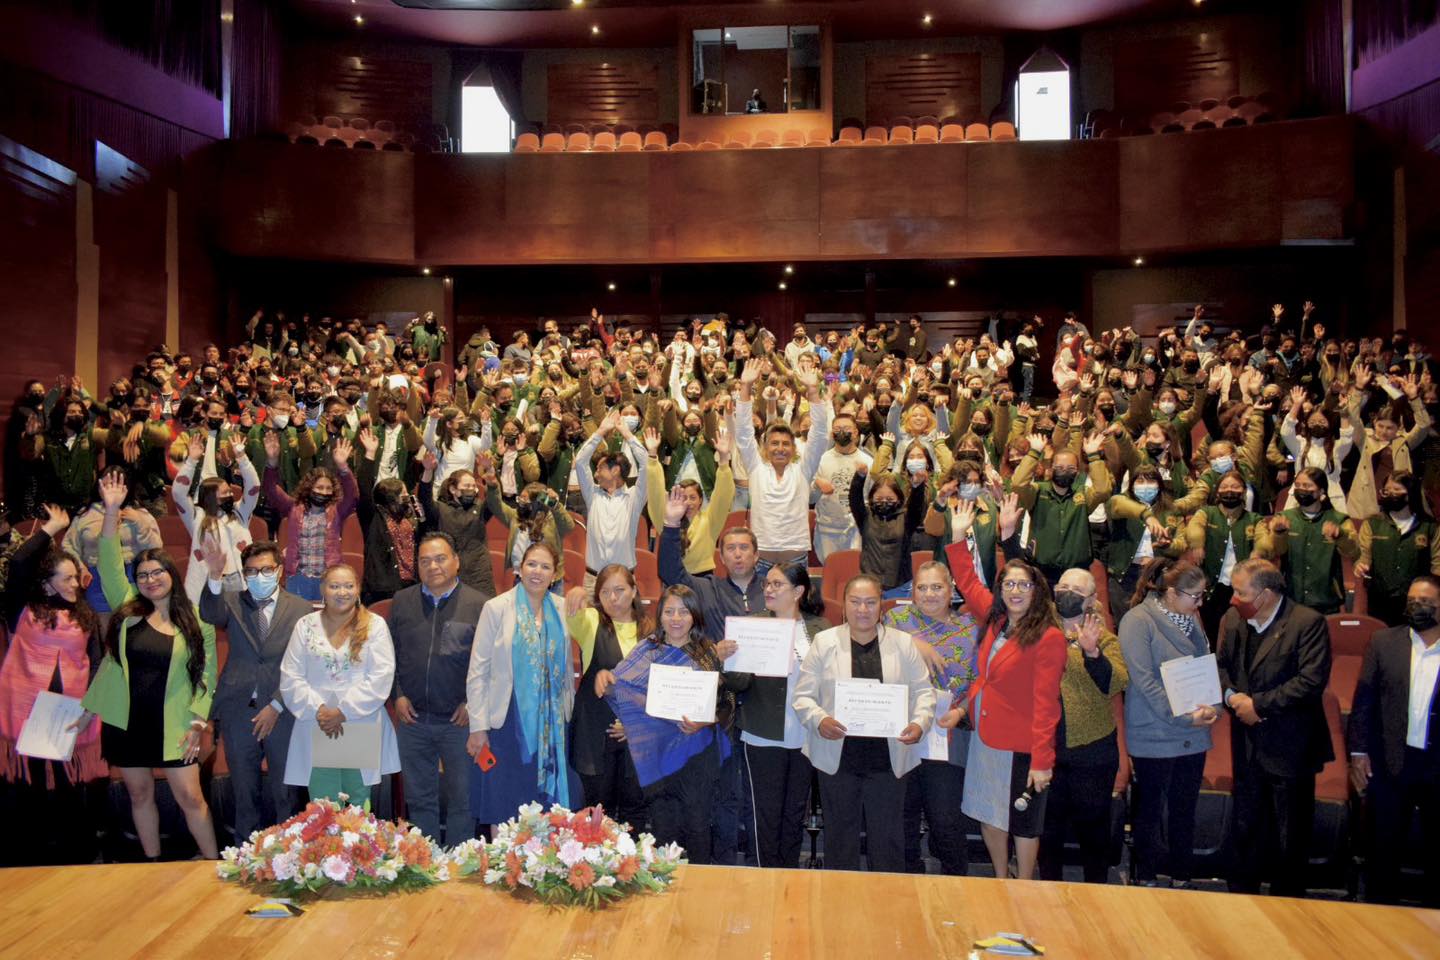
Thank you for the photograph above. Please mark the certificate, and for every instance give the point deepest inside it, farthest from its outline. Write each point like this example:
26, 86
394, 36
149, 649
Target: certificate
936, 744
869, 709
46, 734
767, 645
679, 693
1190, 682
357, 747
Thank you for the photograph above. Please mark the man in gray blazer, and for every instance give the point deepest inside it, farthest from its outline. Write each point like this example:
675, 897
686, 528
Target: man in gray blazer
254, 724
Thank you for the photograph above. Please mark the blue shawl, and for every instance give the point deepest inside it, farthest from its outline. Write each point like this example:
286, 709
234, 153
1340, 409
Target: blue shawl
658, 747
542, 669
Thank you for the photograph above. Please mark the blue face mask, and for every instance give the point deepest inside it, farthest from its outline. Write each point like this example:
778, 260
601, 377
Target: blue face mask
1222, 465
969, 491
1146, 492
263, 585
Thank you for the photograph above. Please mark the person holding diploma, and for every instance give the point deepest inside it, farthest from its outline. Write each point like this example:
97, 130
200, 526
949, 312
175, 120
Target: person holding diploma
154, 687
606, 633
520, 691
338, 669
677, 762
946, 640
1168, 752
1015, 706
54, 646
771, 735
862, 779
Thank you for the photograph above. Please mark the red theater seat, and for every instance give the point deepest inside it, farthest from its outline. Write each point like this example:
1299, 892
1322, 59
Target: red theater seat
903, 135
552, 143
630, 142
527, 143
875, 137
952, 133
1002, 130
817, 138
734, 140
977, 131
655, 140
604, 142
840, 566
578, 142
927, 133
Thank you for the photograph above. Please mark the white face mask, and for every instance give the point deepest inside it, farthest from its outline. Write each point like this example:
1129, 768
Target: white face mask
915, 466
1167, 407
281, 420
632, 423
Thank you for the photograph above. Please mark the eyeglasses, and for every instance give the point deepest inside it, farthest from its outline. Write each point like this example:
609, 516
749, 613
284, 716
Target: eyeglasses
1197, 597
151, 576
263, 571
1024, 586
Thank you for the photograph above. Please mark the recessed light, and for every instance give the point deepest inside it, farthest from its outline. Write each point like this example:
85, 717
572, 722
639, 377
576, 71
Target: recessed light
359, 20
784, 285
610, 287
425, 271
594, 29
729, 35
950, 282
1139, 261
577, 3
789, 269
926, 20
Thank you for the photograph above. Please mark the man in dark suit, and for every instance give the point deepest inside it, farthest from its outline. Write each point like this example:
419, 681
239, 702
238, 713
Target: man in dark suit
1394, 741
1274, 660
248, 709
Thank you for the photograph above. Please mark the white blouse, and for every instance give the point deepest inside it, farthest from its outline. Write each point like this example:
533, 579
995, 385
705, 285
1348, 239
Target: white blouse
315, 674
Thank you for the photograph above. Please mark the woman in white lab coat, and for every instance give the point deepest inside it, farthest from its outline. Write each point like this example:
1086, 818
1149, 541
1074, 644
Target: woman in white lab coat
338, 670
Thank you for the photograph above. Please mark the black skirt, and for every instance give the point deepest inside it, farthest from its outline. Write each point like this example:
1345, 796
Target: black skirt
142, 742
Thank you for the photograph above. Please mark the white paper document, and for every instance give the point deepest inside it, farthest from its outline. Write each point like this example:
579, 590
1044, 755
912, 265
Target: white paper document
869, 709
1190, 682
679, 693
46, 734
767, 645
357, 748
936, 743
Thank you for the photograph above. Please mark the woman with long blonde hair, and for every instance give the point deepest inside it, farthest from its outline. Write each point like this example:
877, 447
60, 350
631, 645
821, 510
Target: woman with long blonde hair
338, 669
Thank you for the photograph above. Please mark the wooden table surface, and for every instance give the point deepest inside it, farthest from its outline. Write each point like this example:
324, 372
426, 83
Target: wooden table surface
182, 910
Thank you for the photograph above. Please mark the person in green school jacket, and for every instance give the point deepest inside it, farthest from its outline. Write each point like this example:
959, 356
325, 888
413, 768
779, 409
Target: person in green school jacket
1059, 508
1219, 535
1141, 524
1397, 545
966, 484
155, 683
1307, 541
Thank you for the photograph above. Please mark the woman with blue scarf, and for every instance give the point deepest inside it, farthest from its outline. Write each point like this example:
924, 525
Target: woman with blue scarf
520, 692
678, 763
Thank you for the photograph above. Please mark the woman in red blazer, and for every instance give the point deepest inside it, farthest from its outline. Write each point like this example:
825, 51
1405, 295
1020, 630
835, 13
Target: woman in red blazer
1014, 706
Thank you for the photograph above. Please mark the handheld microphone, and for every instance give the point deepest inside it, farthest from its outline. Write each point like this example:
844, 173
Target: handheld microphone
1022, 802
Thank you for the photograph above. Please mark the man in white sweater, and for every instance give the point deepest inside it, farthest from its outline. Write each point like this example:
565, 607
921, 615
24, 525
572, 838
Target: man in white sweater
780, 487
835, 528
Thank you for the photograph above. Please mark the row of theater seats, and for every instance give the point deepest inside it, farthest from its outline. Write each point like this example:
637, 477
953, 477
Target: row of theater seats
632, 141
1183, 117
359, 133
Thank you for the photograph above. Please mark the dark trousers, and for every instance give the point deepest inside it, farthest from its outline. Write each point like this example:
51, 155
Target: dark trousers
1121, 589
1217, 601
616, 787
1165, 794
779, 795
1273, 820
935, 789
725, 818
52, 825
870, 799
434, 763
681, 804
243, 754
1392, 802
1078, 804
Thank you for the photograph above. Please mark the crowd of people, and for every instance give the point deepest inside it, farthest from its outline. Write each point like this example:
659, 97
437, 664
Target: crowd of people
1225, 481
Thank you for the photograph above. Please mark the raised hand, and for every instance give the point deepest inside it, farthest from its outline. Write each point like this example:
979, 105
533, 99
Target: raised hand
750, 372
195, 448
1363, 377
1297, 400
237, 446
1010, 515
652, 441
1277, 310
112, 492
722, 444
272, 448
343, 449
1411, 387
964, 514
56, 519
675, 507
1089, 636
213, 556
370, 442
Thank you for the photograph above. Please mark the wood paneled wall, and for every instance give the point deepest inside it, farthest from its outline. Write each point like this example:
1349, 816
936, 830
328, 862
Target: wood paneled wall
913, 85
1153, 73
1252, 187
606, 92
130, 232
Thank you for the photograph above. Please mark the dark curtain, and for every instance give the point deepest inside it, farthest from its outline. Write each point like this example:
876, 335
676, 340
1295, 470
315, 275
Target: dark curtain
256, 55
1382, 25
181, 37
1322, 46
1019, 48
504, 68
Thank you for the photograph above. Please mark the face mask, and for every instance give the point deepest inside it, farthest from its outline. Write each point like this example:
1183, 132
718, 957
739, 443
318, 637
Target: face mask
389, 415
1247, 610
1421, 615
521, 379
1147, 492
981, 429
843, 438
321, 499
1192, 366
969, 491
886, 510
916, 466
1150, 359
1305, 498
1063, 478
1108, 409
262, 585
333, 371
293, 351
692, 429
1155, 450
467, 500
632, 423
1070, 604
1222, 465
1392, 503
34, 399
1231, 499
1167, 407
140, 414
575, 436
75, 423
215, 423
280, 420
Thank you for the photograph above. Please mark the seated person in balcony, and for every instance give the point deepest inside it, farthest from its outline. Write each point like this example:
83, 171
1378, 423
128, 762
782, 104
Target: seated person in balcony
756, 103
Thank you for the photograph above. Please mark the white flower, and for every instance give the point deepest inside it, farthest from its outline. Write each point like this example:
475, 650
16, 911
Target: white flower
443, 873
534, 847
295, 829
350, 838
312, 870
335, 868
494, 875
625, 845
285, 866
529, 810
594, 855
605, 881
387, 873
571, 852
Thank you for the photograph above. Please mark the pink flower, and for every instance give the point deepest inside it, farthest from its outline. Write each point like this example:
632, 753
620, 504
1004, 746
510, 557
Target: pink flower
336, 868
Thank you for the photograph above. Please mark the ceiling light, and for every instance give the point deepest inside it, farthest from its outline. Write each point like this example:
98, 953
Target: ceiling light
926, 20
1139, 261
425, 271
784, 285
359, 20
610, 287
577, 3
950, 282
789, 269
594, 29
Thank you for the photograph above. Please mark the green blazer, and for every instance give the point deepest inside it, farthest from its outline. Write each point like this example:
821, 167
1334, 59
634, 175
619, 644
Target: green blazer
109, 693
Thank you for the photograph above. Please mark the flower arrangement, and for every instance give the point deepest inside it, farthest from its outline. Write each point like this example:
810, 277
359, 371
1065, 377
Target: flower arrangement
574, 859
333, 845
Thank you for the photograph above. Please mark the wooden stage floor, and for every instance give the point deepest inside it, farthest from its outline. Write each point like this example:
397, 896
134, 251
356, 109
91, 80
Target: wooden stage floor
181, 910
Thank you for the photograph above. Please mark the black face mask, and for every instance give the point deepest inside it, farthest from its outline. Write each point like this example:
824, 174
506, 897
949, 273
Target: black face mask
575, 437
34, 399
1063, 478
526, 510
389, 416
321, 499
1069, 604
885, 511
692, 429
1192, 366
467, 500
843, 438
1231, 499
1304, 497
1421, 615
1155, 449
981, 429
1392, 503
314, 397
75, 423
140, 414
1108, 409
215, 423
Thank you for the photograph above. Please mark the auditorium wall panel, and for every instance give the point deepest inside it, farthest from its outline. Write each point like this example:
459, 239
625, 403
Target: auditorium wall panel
538, 67
130, 215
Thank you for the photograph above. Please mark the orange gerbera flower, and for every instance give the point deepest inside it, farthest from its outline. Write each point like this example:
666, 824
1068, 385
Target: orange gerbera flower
627, 869
582, 875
